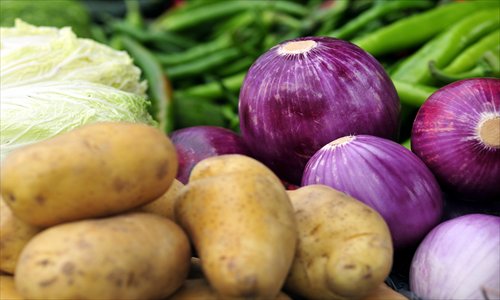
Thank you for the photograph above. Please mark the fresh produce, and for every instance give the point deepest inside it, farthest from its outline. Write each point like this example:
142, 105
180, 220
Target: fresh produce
196, 143
457, 134
344, 249
131, 256
384, 175
459, 259
96, 170
51, 82
199, 288
14, 235
164, 205
306, 92
8, 289
383, 292
242, 226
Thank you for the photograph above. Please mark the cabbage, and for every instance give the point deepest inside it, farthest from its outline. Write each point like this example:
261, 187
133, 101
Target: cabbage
32, 54
52, 82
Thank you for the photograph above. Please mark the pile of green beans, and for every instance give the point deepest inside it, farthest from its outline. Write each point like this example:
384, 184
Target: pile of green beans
195, 55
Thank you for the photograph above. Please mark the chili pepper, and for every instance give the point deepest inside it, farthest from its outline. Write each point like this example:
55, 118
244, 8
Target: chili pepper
159, 91
195, 52
472, 54
213, 90
482, 69
407, 144
238, 66
202, 64
142, 35
413, 94
443, 48
349, 29
193, 111
217, 10
419, 28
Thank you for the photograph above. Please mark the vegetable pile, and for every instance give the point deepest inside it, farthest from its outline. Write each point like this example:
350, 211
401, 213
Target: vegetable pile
285, 149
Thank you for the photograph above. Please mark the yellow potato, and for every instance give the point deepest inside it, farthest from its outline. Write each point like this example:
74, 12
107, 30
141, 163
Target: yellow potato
199, 289
228, 164
243, 228
95, 170
344, 250
14, 234
164, 205
132, 256
8, 288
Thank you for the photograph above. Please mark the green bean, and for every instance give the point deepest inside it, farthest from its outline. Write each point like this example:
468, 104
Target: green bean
349, 29
213, 90
160, 92
413, 94
196, 52
203, 64
240, 65
218, 10
469, 57
443, 48
330, 19
419, 28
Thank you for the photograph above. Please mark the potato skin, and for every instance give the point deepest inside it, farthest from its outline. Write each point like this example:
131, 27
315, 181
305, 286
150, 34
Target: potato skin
199, 289
345, 248
14, 235
164, 205
132, 256
8, 289
244, 231
95, 170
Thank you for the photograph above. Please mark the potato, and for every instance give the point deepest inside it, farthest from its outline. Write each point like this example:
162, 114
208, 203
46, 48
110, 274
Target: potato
95, 170
130, 256
14, 235
243, 229
344, 250
199, 289
383, 292
8, 288
218, 165
164, 205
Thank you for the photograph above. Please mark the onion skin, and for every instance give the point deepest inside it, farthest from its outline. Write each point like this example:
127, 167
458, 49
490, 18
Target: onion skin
444, 136
291, 105
387, 177
459, 259
199, 142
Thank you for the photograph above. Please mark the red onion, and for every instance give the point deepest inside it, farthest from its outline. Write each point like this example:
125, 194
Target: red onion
459, 259
457, 134
306, 92
384, 175
199, 142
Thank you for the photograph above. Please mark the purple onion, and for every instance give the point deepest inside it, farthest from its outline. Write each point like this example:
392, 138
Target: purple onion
306, 92
199, 142
456, 133
459, 259
384, 175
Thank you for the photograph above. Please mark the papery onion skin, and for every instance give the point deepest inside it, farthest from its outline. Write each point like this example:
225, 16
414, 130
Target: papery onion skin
459, 259
387, 177
199, 142
291, 105
445, 137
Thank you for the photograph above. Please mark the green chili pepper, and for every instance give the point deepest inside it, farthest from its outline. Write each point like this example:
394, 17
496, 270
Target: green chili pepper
349, 29
213, 90
159, 91
203, 64
470, 56
419, 28
482, 69
193, 111
443, 48
218, 10
413, 94
195, 52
